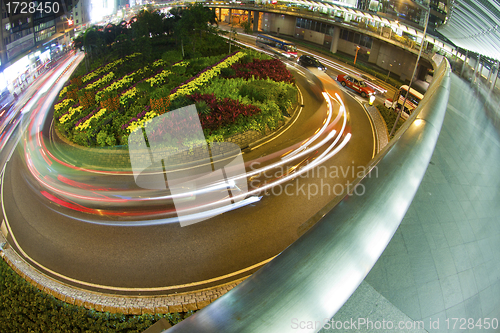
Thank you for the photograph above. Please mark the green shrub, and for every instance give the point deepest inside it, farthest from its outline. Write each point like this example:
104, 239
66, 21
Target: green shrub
227, 72
111, 140
389, 117
202, 107
180, 102
80, 138
101, 138
258, 91
24, 308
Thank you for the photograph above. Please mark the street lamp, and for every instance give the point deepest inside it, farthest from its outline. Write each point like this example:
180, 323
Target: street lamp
356, 56
388, 74
428, 9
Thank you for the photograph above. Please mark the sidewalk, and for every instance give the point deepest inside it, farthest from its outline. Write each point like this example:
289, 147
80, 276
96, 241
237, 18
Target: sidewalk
444, 260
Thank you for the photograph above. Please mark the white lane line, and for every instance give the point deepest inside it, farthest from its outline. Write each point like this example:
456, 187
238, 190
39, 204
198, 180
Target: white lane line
94, 285
4, 230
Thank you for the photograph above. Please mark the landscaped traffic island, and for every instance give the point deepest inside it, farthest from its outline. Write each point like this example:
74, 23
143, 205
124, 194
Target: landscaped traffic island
233, 93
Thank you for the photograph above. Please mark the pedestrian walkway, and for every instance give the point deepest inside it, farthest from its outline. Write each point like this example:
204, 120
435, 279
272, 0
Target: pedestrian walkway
444, 260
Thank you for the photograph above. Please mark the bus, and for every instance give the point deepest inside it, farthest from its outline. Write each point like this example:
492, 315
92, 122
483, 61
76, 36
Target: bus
278, 46
414, 98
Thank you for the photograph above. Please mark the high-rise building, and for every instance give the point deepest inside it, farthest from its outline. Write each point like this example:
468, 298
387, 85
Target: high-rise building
33, 34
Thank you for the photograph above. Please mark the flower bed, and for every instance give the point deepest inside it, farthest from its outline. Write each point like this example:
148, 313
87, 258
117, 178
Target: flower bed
105, 108
108, 67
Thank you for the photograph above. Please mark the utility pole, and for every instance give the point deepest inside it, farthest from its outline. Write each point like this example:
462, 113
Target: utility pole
414, 71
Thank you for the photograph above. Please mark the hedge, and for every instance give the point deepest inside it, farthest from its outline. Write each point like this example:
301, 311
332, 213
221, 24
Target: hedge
24, 308
389, 118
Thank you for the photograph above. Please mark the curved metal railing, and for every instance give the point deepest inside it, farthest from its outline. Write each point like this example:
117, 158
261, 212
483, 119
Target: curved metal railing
313, 277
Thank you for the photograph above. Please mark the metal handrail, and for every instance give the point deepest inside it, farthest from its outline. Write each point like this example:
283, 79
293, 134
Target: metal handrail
311, 280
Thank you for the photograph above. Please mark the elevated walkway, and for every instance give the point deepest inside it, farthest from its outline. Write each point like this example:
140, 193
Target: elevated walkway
444, 260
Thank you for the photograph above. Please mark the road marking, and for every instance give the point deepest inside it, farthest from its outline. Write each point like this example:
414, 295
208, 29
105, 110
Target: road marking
3, 228
360, 101
94, 285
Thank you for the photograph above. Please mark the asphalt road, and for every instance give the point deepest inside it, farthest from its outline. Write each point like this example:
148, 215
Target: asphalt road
164, 258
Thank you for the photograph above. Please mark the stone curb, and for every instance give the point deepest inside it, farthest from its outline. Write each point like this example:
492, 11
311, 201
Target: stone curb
132, 305
380, 126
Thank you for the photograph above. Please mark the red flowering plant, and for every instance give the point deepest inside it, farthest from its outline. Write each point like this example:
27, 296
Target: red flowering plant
223, 111
87, 99
174, 131
273, 69
111, 103
160, 105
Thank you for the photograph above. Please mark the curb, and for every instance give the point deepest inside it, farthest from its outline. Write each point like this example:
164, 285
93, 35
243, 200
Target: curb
380, 126
132, 305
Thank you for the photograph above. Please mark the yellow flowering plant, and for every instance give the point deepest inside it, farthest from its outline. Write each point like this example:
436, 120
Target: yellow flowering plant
102, 81
205, 76
159, 78
86, 124
67, 116
141, 122
63, 92
108, 67
128, 95
65, 103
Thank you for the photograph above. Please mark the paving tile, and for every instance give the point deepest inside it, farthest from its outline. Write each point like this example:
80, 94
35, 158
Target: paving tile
436, 323
377, 278
489, 300
461, 258
423, 267
453, 316
406, 300
414, 238
398, 270
444, 262
431, 300
465, 230
436, 233
456, 210
452, 234
396, 245
468, 209
473, 307
452, 291
468, 283
486, 250
475, 255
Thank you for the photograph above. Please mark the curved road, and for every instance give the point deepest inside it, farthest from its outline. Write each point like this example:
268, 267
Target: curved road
167, 258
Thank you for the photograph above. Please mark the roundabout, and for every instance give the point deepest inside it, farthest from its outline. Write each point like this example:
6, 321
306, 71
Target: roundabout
131, 246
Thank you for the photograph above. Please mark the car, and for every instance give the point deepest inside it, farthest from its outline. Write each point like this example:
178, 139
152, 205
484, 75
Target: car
356, 83
6, 102
370, 82
310, 61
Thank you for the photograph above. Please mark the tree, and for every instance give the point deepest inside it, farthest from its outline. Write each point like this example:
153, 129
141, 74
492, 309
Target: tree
195, 24
92, 43
110, 34
247, 26
78, 43
148, 23
171, 20
123, 45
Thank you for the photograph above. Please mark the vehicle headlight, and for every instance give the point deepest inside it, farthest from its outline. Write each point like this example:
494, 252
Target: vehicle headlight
372, 99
